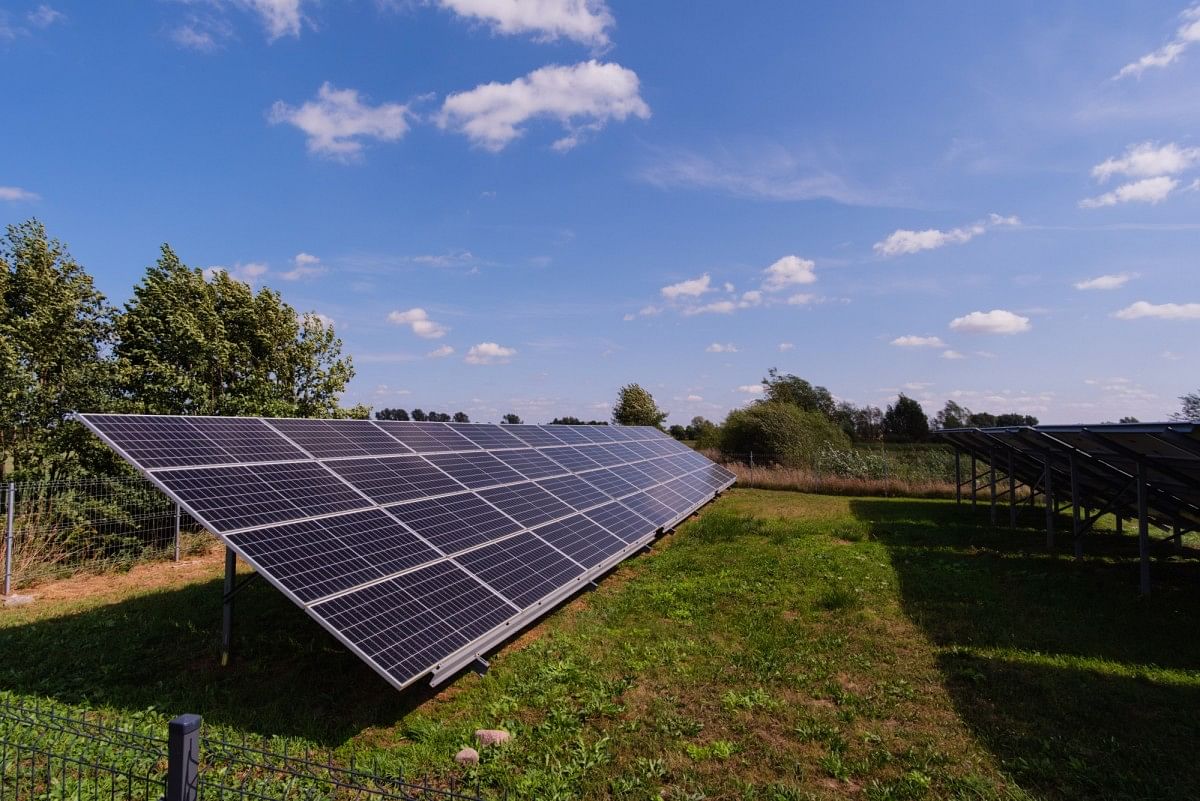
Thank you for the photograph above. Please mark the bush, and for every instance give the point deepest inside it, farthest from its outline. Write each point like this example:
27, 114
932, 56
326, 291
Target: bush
779, 432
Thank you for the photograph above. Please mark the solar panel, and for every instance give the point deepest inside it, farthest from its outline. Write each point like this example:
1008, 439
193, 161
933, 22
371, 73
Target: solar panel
419, 545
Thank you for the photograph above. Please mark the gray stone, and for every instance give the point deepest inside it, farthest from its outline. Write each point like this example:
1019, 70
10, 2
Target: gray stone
17, 600
467, 756
492, 736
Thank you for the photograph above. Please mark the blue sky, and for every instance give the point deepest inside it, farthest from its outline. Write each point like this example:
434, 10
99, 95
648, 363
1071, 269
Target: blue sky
508, 205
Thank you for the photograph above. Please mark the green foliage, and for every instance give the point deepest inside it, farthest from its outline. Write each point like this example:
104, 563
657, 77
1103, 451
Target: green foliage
635, 407
1189, 409
511, 419
792, 389
779, 432
575, 421
905, 420
391, 414
55, 332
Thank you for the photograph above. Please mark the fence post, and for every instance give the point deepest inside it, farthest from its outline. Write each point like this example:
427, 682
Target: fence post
183, 758
176, 532
9, 525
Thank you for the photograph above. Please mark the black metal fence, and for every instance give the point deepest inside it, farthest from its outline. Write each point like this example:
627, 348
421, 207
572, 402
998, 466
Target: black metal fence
49, 755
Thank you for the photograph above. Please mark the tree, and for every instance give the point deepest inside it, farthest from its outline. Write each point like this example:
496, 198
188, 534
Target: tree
566, 421
905, 420
635, 407
461, 417
952, 415
787, 388
678, 432
511, 419
419, 416
779, 432
868, 424
1129, 420
391, 414
1189, 409
55, 334
1014, 419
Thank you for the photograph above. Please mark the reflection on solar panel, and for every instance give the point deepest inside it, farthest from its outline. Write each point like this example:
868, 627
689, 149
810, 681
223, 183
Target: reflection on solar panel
419, 545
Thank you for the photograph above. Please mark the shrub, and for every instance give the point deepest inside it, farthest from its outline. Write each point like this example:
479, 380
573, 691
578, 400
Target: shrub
779, 432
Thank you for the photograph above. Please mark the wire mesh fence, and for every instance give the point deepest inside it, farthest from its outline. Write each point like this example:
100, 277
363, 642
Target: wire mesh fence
51, 754
59, 528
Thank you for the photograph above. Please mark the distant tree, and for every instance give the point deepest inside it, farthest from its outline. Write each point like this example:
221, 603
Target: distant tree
703, 431
419, 416
55, 331
566, 421
511, 419
635, 407
437, 417
1129, 420
868, 424
779, 432
1013, 419
391, 414
787, 388
1189, 410
981, 420
905, 420
952, 415
678, 432
461, 417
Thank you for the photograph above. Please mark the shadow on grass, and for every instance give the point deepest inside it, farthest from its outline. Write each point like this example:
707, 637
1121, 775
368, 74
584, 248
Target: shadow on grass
1079, 686
287, 676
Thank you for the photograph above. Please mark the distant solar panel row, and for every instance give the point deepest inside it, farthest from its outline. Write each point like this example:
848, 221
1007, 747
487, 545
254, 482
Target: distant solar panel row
415, 542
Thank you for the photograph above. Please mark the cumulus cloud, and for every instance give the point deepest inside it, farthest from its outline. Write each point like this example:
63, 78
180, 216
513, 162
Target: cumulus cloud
786, 346
582, 98
914, 341
801, 299
304, 265
1186, 35
788, 271
1106, 281
489, 353
584, 21
996, 321
691, 288
279, 17
337, 121
694, 398
441, 352
717, 347
44, 16
751, 389
645, 311
952, 354
904, 241
1147, 190
1162, 311
1147, 160
418, 320
716, 307
15, 194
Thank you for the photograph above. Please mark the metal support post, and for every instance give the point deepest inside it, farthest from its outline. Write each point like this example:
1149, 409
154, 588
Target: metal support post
1177, 535
183, 758
992, 481
1012, 492
974, 483
176, 532
958, 476
1048, 494
227, 605
1075, 524
1120, 524
9, 525
1143, 530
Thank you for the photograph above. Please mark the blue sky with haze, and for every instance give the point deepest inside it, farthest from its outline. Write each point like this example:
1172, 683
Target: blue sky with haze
520, 206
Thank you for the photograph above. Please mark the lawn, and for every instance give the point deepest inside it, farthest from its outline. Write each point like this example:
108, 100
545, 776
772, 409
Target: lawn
777, 646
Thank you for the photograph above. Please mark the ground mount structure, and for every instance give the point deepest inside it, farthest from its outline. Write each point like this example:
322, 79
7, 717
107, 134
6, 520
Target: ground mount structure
418, 545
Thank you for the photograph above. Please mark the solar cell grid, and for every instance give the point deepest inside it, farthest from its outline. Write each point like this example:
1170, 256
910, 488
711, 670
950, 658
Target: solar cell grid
601, 455
650, 508
455, 522
594, 433
245, 439
641, 450
488, 436
524, 569
633, 474
610, 483
537, 436
228, 498
528, 504
427, 437
574, 491
574, 459
317, 437
657, 469
572, 435
310, 487
669, 498
581, 539
403, 478
622, 522
154, 441
475, 469
621, 452
530, 463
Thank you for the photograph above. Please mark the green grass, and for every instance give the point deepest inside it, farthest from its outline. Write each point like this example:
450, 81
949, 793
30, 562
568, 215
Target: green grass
779, 646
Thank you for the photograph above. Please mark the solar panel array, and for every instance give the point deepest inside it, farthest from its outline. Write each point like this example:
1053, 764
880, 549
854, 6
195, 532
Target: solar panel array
418, 544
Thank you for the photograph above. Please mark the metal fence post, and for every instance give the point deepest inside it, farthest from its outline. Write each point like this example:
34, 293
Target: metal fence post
183, 758
9, 525
176, 532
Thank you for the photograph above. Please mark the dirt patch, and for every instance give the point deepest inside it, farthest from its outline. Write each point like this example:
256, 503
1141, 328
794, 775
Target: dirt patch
140, 578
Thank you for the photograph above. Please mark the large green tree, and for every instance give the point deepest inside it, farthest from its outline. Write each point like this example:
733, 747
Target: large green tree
779, 432
55, 336
905, 420
792, 389
188, 344
636, 407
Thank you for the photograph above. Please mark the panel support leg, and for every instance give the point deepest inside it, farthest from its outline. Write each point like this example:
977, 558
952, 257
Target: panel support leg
1143, 531
1012, 492
1120, 524
1050, 504
958, 477
974, 484
1076, 527
992, 481
227, 605
176, 532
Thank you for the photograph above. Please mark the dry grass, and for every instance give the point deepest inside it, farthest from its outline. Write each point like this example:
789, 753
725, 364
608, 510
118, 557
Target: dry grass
801, 480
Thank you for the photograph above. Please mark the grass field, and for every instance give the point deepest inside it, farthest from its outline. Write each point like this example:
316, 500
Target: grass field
779, 646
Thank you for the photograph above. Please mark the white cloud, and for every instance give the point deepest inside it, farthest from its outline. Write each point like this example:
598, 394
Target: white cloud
913, 341
751, 389
441, 352
996, 321
801, 299
1106, 281
196, 36
645, 311
325, 319
717, 307
694, 398
751, 298
904, 241
788, 271
1171, 356
15, 194
418, 320
1162, 311
1147, 190
1147, 160
337, 121
1187, 35
44, 16
584, 21
583, 98
949, 353
717, 347
691, 288
489, 353
786, 346
279, 17
304, 265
